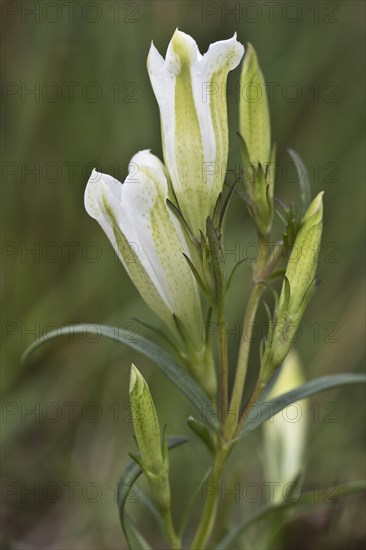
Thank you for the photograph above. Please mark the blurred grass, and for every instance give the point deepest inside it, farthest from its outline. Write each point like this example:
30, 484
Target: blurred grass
39, 293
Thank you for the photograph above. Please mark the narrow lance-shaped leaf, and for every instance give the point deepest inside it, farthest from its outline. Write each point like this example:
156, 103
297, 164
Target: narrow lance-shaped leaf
161, 358
262, 411
303, 177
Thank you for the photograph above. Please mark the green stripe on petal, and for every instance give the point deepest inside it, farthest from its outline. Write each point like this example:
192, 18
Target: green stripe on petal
188, 141
128, 253
191, 93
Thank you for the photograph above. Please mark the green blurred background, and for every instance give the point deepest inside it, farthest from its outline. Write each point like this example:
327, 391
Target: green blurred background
92, 105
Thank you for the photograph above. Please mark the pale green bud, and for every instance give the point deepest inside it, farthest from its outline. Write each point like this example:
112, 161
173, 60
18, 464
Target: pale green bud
255, 130
145, 423
153, 457
253, 110
303, 261
297, 288
285, 434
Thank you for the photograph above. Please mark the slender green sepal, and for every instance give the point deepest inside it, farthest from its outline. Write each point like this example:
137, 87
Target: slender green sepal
201, 284
217, 210
217, 264
244, 152
271, 171
226, 204
178, 214
303, 178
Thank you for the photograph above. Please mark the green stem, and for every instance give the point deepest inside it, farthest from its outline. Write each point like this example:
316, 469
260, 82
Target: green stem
210, 510
170, 531
230, 421
224, 368
259, 387
243, 357
244, 350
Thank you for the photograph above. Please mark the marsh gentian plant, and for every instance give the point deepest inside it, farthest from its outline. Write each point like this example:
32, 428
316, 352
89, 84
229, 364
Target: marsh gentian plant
166, 222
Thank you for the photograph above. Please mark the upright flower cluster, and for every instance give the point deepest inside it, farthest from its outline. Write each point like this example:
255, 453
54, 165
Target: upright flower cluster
166, 223
191, 93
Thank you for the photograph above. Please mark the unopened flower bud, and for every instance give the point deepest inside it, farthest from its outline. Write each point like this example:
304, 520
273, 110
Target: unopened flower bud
255, 131
153, 457
298, 287
255, 126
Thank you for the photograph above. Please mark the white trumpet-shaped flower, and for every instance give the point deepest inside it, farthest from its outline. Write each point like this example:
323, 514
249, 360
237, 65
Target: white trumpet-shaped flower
150, 244
191, 92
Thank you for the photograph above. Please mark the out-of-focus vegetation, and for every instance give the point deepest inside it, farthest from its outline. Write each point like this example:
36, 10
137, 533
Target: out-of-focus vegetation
66, 426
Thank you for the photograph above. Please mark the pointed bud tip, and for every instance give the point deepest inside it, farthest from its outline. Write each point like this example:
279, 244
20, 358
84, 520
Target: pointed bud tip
133, 377
319, 199
136, 381
315, 208
250, 57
